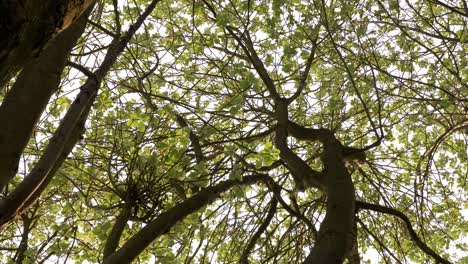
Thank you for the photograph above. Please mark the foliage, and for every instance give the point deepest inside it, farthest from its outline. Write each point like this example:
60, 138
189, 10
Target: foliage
186, 107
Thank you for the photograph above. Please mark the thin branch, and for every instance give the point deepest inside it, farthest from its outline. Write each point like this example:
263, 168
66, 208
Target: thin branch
103, 29
261, 229
305, 73
414, 236
82, 69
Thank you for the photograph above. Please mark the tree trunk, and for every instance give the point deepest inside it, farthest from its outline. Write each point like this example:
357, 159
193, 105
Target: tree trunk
43, 172
27, 26
336, 234
31, 92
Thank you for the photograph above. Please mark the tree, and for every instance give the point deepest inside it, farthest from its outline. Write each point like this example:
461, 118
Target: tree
241, 131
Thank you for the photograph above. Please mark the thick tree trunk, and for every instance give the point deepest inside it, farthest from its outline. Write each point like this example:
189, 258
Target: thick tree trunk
42, 173
27, 26
31, 92
336, 234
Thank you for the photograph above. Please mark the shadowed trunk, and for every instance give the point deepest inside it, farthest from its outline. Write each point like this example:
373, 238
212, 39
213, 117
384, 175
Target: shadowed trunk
27, 26
43, 172
336, 234
31, 92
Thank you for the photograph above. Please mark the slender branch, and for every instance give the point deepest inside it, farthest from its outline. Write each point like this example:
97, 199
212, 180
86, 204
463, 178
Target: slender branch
103, 29
246, 44
414, 236
82, 69
378, 240
118, 26
261, 229
194, 139
244, 41
277, 192
305, 73
20, 254
112, 241
457, 10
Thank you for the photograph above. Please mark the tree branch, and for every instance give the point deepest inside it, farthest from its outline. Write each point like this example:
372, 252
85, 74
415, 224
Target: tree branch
405, 219
261, 229
165, 221
16, 200
112, 241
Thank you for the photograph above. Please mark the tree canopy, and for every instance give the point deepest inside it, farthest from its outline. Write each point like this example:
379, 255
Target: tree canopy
304, 131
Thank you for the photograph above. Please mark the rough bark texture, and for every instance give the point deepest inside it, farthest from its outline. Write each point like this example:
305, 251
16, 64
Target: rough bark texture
336, 235
27, 26
165, 221
31, 92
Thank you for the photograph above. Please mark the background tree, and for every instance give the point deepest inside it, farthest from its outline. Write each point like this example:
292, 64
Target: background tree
242, 131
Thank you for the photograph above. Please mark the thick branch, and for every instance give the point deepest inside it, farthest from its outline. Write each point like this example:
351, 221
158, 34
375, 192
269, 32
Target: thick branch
304, 176
69, 145
322, 135
31, 92
165, 221
27, 26
112, 241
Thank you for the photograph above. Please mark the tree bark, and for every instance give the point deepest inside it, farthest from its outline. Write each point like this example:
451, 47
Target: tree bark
23, 246
27, 26
31, 92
